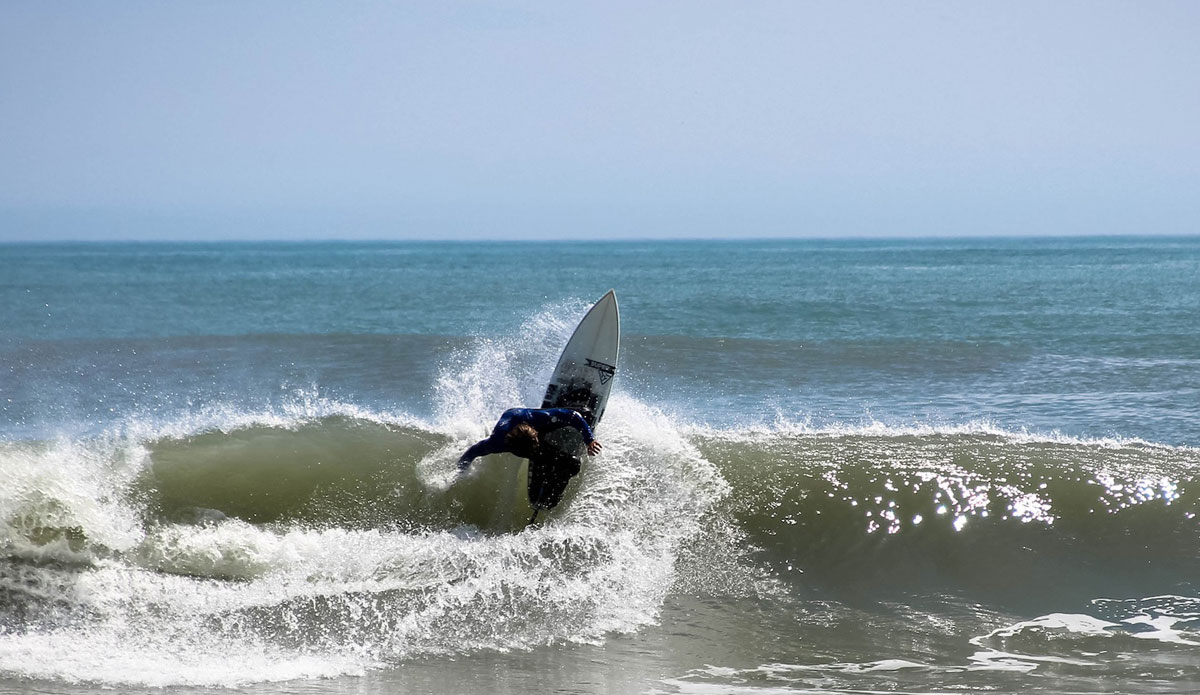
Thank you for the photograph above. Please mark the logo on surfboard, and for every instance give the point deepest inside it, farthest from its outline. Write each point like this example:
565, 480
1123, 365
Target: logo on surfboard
607, 371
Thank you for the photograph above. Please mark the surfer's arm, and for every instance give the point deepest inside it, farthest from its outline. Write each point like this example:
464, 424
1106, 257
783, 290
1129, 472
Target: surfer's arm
494, 444
577, 421
574, 419
491, 445
593, 444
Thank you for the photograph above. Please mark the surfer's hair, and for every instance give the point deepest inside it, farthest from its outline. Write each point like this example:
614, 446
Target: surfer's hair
522, 440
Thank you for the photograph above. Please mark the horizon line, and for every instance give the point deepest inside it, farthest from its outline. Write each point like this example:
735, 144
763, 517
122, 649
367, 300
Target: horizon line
631, 239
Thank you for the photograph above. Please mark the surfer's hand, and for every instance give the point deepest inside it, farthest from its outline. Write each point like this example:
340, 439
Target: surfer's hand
594, 447
462, 465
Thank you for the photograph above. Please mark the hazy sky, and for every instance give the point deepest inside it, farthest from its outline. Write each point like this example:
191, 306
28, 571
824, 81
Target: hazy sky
647, 119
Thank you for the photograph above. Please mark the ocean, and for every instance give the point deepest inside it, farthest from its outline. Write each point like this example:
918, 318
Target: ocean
829, 466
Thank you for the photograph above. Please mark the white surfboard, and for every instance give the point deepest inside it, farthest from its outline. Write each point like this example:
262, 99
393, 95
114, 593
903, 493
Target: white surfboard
584, 375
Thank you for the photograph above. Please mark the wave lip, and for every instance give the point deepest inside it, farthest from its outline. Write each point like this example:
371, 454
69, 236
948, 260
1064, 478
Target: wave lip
784, 427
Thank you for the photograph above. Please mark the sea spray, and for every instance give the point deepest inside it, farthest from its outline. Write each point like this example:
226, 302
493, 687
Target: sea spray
479, 382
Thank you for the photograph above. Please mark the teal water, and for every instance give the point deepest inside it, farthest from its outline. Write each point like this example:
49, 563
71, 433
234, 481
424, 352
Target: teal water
1091, 337
861, 465
1035, 292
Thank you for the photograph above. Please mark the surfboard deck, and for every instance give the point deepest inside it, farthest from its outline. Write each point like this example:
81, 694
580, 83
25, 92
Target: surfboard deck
583, 377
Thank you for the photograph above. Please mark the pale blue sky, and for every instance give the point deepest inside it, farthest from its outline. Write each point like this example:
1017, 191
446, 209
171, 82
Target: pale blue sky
202, 120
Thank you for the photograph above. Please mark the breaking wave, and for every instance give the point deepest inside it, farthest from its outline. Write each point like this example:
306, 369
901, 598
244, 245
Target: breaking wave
321, 538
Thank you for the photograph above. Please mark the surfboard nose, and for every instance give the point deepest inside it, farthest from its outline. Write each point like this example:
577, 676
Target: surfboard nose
584, 374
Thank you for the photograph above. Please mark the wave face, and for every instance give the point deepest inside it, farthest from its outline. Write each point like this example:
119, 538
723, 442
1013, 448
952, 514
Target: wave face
1024, 520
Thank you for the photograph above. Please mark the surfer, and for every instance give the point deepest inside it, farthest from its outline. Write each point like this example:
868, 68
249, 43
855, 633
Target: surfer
519, 431
551, 438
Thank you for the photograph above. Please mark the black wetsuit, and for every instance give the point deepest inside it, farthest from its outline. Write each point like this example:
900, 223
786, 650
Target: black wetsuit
557, 460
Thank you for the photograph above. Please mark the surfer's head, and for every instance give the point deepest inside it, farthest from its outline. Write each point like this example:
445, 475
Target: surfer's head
522, 440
